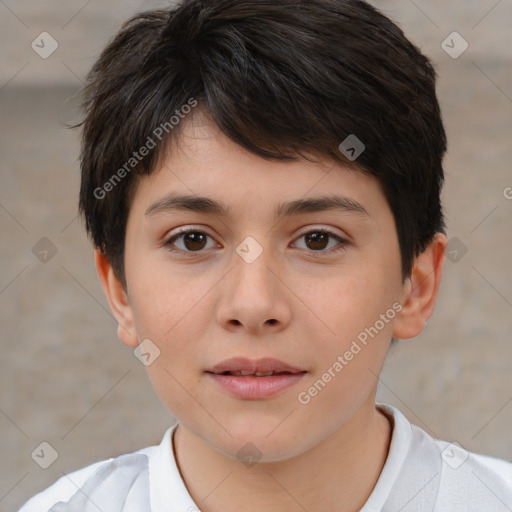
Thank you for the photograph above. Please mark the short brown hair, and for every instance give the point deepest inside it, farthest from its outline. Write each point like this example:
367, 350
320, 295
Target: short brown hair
281, 78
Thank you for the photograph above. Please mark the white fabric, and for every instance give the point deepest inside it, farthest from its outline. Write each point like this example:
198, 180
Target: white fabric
420, 474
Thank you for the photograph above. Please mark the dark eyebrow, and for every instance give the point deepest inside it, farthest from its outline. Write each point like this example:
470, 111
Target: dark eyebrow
179, 202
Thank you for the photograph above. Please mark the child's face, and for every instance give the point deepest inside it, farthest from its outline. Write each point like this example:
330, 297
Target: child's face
299, 301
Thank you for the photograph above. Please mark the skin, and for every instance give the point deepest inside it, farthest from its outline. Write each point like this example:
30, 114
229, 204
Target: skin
298, 302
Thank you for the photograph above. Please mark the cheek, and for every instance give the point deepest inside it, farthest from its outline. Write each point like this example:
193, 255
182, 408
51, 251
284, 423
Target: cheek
348, 360
339, 302
164, 299
347, 312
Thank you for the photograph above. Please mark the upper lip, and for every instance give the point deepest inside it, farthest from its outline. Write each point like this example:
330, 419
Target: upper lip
263, 365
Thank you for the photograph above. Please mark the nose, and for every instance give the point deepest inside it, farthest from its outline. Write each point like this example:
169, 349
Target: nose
255, 297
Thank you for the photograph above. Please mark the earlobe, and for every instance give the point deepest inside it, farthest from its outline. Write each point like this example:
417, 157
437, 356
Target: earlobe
117, 299
420, 290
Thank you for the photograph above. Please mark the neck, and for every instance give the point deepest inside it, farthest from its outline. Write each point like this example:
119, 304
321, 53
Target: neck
338, 474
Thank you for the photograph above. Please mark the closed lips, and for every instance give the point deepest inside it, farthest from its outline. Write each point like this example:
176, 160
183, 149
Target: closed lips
243, 367
245, 373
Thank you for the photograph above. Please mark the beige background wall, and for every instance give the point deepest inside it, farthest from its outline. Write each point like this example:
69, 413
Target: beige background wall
64, 377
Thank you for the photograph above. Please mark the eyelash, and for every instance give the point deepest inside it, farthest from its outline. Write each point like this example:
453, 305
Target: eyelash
342, 242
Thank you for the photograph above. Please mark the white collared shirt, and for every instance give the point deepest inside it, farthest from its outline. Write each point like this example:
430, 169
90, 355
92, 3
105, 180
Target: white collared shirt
420, 474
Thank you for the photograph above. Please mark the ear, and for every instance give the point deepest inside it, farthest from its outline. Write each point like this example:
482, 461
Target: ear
420, 290
117, 298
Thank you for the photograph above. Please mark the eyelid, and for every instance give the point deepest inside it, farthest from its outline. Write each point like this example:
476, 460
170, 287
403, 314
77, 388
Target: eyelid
324, 229
302, 232
185, 230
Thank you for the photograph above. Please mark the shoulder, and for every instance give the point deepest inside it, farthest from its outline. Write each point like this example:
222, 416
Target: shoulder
61, 490
81, 484
455, 457
434, 474
466, 481
499, 466
476, 481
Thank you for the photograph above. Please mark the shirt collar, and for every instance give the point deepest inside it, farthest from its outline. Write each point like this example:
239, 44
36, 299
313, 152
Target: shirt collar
401, 475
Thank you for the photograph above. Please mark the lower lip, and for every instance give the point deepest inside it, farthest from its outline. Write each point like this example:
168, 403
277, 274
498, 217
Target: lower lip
255, 388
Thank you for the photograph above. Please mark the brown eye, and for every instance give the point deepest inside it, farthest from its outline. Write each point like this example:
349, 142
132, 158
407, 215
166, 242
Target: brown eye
191, 241
319, 241
194, 241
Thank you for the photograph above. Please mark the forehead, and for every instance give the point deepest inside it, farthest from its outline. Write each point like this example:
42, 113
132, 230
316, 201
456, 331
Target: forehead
204, 163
